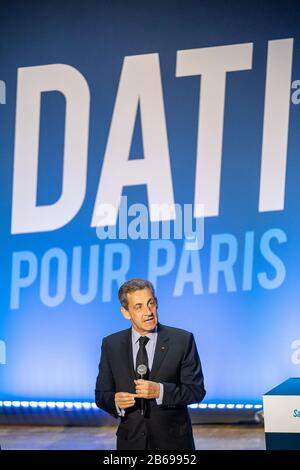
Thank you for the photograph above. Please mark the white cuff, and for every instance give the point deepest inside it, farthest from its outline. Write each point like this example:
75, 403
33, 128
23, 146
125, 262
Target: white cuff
120, 412
159, 400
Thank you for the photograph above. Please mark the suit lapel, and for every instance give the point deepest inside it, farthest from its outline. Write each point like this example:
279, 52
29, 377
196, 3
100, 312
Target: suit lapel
126, 353
161, 349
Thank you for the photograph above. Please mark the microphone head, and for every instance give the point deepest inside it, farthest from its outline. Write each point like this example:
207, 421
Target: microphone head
142, 369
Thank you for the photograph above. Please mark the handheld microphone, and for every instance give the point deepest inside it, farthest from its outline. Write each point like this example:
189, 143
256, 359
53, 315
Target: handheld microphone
142, 371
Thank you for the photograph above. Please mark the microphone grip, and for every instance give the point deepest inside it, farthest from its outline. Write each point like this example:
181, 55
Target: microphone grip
142, 401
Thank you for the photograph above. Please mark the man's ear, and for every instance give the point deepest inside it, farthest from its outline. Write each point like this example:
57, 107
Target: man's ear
125, 313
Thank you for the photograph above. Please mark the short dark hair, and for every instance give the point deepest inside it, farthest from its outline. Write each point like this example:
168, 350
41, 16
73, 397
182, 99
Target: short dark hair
131, 286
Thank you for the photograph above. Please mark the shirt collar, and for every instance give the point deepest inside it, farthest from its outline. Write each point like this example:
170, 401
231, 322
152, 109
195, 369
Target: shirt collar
136, 336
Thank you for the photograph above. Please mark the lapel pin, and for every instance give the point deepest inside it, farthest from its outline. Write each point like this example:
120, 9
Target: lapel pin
162, 347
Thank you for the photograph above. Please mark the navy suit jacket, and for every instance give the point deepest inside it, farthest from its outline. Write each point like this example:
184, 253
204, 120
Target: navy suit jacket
177, 366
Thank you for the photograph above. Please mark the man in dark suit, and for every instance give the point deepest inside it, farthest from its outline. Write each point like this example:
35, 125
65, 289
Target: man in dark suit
153, 409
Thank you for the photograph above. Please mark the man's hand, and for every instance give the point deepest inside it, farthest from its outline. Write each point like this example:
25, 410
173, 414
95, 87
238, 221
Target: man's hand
146, 389
124, 400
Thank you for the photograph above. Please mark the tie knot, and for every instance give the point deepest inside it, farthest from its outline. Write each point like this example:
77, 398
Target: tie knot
143, 340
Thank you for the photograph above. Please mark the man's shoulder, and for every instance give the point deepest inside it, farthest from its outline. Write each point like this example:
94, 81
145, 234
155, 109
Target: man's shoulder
118, 336
172, 331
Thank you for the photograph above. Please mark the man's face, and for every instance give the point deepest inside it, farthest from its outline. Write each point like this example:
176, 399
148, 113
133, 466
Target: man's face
142, 311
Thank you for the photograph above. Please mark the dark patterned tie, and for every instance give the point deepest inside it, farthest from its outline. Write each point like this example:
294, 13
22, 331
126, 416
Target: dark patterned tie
142, 356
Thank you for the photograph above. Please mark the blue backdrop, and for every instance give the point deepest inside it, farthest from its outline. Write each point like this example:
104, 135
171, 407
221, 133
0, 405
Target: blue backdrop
239, 293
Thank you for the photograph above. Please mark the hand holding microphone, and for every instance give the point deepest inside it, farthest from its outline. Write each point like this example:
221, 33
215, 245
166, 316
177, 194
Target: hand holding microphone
145, 388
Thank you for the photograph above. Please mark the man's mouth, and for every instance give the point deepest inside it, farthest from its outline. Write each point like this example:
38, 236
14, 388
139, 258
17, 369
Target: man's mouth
150, 319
